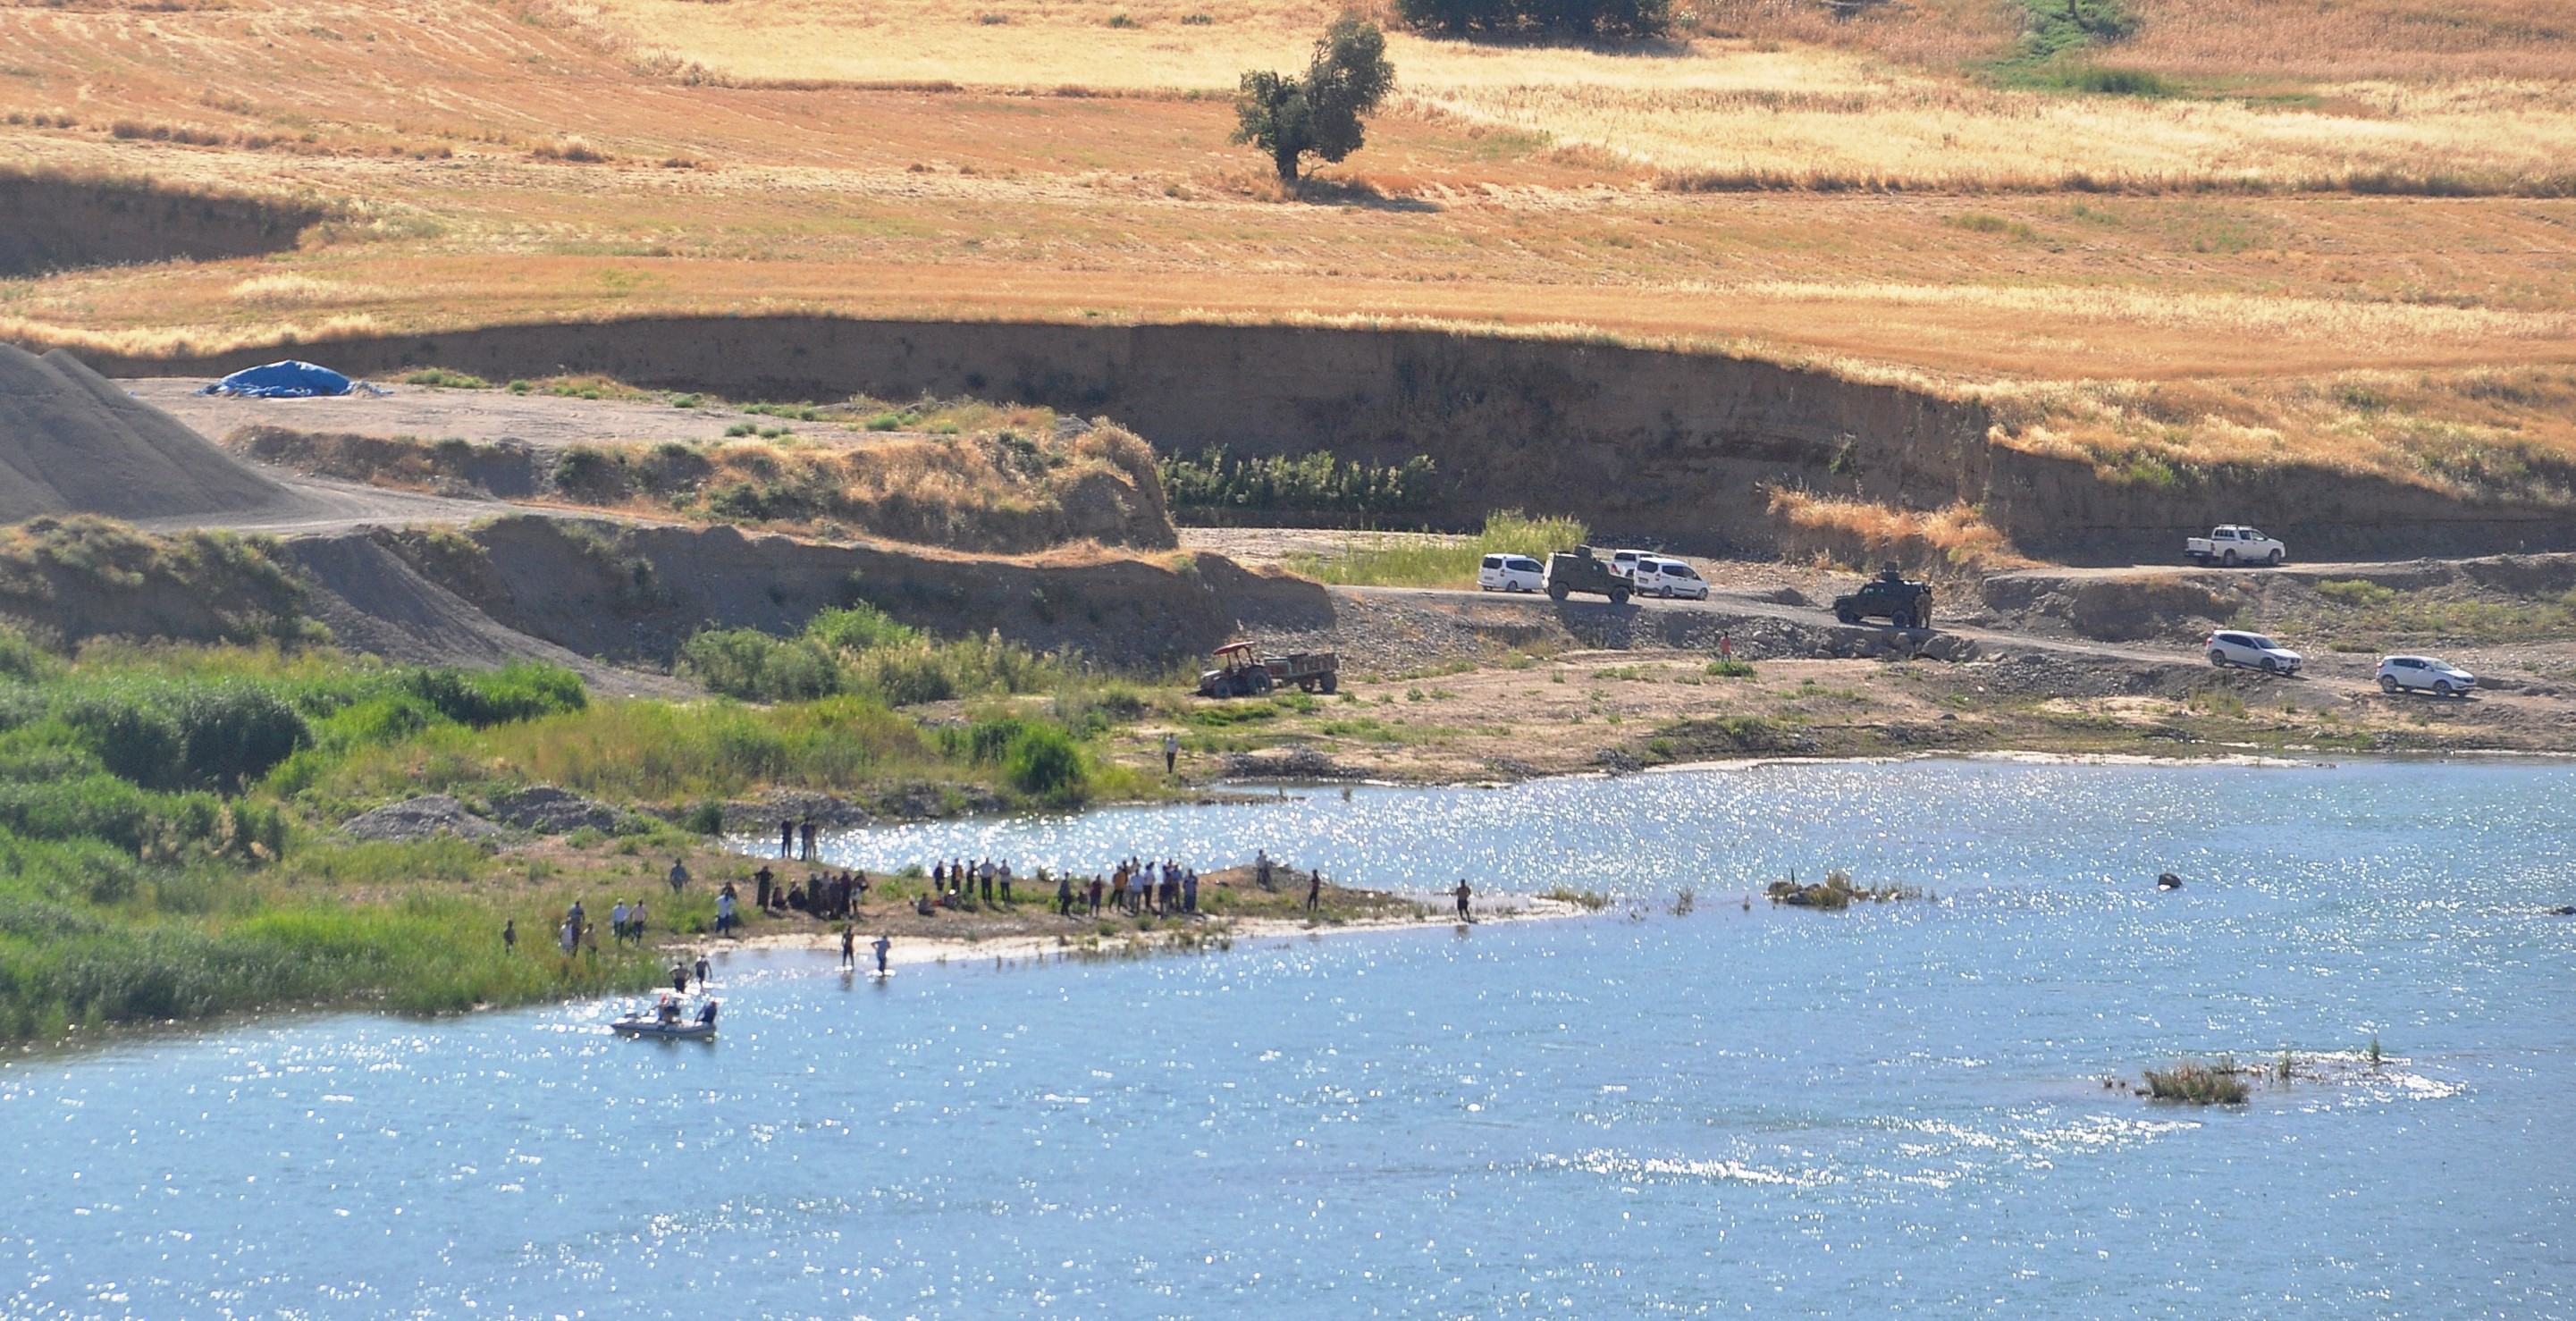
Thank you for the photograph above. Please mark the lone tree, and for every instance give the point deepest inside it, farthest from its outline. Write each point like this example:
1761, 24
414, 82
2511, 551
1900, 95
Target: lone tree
1319, 114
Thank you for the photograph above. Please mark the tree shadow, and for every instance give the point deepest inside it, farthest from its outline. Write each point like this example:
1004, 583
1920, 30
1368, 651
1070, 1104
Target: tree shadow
1667, 47
1356, 193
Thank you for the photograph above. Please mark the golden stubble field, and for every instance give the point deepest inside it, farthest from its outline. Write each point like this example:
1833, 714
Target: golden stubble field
1029, 158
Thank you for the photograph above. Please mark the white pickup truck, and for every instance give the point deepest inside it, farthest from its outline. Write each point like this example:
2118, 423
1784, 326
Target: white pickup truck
2232, 545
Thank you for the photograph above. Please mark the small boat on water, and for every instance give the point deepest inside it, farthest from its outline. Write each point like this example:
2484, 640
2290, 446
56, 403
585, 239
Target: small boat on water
667, 1020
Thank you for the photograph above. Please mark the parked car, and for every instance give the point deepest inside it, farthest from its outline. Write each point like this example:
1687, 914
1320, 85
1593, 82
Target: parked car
2254, 651
1511, 573
1578, 570
2232, 544
1669, 578
1624, 562
2426, 674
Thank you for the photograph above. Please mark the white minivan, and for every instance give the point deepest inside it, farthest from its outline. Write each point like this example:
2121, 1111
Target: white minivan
1669, 578
1511, 573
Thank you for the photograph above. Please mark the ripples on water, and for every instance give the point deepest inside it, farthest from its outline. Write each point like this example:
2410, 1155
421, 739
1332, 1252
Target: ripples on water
1764, 1112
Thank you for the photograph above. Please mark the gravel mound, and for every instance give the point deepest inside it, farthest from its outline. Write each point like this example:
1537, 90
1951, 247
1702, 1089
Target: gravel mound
71, 442
420, 818
552, 811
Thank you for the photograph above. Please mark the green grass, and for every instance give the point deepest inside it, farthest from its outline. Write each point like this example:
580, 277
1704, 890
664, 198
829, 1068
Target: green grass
1423, 562
2221, 1083
167, 848
444, 379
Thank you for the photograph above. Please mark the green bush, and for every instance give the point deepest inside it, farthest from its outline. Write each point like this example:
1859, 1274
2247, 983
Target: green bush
1319, 482
1044, 763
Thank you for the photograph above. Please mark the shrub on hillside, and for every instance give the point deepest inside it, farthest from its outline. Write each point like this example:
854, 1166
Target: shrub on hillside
1320, 482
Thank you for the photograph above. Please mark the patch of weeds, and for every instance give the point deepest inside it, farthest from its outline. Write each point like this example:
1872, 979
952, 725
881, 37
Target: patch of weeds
1731, 669
2191, 1081
1980, 222
441, 378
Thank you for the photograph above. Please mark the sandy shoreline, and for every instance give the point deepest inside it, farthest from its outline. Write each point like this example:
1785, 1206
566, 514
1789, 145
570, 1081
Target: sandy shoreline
1087, 942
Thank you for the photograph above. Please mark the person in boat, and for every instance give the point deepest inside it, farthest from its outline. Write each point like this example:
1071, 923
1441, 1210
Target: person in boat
667, 1011
707, 1014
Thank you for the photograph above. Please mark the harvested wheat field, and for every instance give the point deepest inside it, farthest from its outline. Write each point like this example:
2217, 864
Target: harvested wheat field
2265, 204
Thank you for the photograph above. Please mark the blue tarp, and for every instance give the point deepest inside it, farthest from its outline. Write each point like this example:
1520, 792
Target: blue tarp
282, 380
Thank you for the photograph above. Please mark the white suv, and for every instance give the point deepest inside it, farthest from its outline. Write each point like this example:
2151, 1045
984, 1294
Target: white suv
1669, 578
2431, 674
1511, 573
2228, 647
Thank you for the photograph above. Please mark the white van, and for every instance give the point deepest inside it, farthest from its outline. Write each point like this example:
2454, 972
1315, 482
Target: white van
1669, 578
1511, 573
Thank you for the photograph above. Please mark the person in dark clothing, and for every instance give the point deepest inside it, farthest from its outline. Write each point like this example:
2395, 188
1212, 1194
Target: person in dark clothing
680, 977
805, 832
1462, 892
1096, 886
702, 970
510, 936
766, 879
1314, 891
786, 837
849, 947
1064, 895
939, 878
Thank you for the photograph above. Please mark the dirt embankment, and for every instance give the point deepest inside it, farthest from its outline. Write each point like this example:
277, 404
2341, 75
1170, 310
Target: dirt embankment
50, 223
1004, 493
1674, 448
632, 594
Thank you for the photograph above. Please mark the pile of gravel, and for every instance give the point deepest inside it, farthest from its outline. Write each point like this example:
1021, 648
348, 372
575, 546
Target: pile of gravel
1286, 763
71, 441
548, 810
425, 817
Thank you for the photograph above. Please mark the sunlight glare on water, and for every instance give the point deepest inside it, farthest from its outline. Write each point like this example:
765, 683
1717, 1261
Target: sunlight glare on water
1897, 1108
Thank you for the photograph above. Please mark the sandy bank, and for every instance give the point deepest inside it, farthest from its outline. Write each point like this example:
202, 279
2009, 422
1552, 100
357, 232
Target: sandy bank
1081, 938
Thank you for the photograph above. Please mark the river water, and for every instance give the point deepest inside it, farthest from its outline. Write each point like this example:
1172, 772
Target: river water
1896, 1109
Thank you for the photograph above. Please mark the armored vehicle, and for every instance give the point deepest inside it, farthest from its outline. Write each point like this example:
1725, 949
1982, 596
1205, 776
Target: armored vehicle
1577, 570
1890, 597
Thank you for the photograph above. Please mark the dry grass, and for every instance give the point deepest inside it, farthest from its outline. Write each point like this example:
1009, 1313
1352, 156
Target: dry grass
1713, 113
2480, 434
1511, 189
1861, 534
